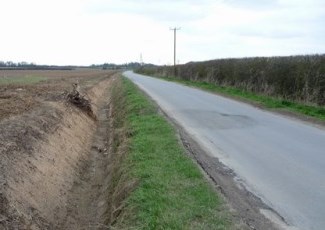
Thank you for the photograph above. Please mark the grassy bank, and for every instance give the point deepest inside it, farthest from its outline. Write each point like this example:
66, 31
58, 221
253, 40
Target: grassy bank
264, 101
171, 192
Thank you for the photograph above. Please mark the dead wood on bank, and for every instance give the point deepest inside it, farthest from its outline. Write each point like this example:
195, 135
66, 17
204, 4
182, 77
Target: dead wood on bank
81, 101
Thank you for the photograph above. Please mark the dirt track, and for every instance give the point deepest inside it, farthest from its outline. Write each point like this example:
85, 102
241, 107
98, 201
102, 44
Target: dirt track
56, 161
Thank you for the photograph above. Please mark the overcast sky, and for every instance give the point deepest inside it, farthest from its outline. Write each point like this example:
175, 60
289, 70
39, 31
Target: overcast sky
83, 32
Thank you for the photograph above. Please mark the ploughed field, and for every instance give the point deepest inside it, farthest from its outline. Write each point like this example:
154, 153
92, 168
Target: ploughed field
55, 149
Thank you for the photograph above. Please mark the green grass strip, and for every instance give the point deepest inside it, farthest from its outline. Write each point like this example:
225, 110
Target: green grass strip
172, 192
265, 101
25, 80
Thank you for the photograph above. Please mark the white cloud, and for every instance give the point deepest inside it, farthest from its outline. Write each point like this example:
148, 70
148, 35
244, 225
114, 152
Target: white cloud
97, 31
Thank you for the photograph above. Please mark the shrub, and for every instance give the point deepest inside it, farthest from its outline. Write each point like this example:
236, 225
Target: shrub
294, 78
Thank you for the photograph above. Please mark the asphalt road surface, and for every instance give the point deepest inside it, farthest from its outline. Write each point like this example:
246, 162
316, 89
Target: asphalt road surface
281, 160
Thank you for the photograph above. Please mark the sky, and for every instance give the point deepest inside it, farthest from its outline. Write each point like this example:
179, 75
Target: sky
84, 32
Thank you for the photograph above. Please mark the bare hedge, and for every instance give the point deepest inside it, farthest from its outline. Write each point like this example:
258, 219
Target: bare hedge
295, 78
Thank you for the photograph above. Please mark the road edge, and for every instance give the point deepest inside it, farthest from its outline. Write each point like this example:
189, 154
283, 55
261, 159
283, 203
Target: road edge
247, 209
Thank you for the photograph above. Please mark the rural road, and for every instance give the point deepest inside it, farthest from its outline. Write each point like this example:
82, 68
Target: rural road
281, 160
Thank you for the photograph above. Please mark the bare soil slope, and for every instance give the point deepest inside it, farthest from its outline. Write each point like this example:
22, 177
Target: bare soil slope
53, 156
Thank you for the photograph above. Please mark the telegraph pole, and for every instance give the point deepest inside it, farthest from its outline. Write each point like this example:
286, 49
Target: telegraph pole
141, 59
175, 29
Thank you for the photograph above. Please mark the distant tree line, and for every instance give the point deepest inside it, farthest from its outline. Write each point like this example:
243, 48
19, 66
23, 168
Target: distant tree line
19, 64
9, 65
295, 78
131, 65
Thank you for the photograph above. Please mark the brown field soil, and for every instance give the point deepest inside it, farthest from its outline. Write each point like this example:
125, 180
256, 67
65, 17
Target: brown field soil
17, 98
63, 74
55, 160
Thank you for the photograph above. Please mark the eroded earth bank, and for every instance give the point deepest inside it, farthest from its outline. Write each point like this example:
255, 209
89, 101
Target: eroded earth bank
57, 160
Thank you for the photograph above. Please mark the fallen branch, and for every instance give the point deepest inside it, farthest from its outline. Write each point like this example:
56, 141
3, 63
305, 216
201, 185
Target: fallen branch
81, 101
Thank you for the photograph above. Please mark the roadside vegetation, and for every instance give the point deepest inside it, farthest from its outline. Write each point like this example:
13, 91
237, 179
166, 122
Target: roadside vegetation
257, 99
296, 83
170, 191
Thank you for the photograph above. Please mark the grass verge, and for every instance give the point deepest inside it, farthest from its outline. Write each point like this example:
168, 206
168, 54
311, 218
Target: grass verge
171, 192
264, 101
28, 79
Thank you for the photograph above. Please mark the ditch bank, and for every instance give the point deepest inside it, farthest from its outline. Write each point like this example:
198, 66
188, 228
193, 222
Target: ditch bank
58, 166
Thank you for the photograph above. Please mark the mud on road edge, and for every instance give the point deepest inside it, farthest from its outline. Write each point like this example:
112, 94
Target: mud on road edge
248, 210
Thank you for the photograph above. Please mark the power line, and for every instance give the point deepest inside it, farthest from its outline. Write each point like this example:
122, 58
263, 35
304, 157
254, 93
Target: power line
175, 29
